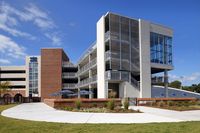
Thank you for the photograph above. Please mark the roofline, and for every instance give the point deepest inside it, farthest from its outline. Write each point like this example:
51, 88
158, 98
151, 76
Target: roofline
138, 19
14, 66
178, 89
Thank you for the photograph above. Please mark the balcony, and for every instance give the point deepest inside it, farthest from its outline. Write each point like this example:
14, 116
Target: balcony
69, 75
68, 64
89, 65
87, 52
88, 81
69, 86
117, 75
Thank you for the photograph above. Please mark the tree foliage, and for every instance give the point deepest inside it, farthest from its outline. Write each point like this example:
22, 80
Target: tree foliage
4, 87
175, 84
193, 87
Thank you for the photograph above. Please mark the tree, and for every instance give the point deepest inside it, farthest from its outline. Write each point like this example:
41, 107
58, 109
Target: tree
193, 88
175, 84
4, 87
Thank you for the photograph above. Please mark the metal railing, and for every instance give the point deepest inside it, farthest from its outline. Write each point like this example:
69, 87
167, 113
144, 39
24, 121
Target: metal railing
88, 81
68, 64
69, 86
86, 67
135, 83
87, 51
69, 75
121, 75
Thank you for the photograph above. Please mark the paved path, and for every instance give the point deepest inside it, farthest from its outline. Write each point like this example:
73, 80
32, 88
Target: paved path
42, 112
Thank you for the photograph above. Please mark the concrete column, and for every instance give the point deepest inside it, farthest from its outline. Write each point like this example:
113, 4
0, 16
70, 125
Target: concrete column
101, 87
145, 66
166, 82
78, 84
90, 76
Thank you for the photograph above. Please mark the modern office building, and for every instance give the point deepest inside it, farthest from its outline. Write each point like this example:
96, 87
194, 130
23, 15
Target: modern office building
126, 53
120, 63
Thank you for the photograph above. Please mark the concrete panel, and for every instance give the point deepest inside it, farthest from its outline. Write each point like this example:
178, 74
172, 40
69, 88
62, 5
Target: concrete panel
162, 66
12, 67
18, 82
101, 89
161, 29
13, 75
145, 68
127, 90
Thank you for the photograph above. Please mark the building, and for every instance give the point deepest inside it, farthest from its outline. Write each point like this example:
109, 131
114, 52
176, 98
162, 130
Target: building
127, 51
16, 75
119, 63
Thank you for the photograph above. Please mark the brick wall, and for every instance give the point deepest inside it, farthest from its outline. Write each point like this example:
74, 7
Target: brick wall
51, 71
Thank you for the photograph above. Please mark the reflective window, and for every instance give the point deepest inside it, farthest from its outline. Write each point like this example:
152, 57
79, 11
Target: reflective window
161, 48
33, 75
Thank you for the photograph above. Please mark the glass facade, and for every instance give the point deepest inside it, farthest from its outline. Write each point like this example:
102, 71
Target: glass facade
33, 76
161, 48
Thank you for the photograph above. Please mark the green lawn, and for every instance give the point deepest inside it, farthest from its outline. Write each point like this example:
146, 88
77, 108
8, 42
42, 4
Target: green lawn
8, 125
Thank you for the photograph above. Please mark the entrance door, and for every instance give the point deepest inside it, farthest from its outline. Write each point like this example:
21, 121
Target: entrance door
18, 98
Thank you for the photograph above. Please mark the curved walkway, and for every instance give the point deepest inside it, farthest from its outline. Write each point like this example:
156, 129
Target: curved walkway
42, 112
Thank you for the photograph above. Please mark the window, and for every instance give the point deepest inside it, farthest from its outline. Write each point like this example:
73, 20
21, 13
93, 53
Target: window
33, 75
161, 48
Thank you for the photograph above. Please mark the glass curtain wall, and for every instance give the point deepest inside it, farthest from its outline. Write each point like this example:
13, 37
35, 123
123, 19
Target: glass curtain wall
33, 76
161, 49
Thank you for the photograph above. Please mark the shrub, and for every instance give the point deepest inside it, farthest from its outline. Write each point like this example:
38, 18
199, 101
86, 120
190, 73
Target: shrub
112, 94
94, 105
192, 102
179, 103
161, 104
186, 103
126, 104
68, 108
198, 102
153, 103
105, 105
170, 103
111, 105
78, 103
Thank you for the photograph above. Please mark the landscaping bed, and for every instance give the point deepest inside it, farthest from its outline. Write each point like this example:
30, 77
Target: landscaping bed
176, 105
108, 106
100, 110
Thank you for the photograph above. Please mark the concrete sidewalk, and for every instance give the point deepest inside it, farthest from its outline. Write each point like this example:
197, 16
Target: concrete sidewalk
42, 112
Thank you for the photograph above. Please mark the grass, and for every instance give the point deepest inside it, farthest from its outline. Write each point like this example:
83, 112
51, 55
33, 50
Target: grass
8, 125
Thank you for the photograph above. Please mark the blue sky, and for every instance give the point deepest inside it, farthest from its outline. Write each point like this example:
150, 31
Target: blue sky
26, 26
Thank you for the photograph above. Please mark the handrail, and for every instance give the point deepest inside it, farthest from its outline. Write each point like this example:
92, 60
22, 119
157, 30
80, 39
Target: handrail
88, 65
87, 51
70, 74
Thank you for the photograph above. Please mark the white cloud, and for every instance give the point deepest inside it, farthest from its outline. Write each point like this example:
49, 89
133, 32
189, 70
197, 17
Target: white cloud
10, 48
16, 32
39, 17
11, 17
56, 40
193, 77
4, 61
8, 22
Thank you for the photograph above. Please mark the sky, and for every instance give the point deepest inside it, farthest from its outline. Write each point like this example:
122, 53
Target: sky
26, 26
